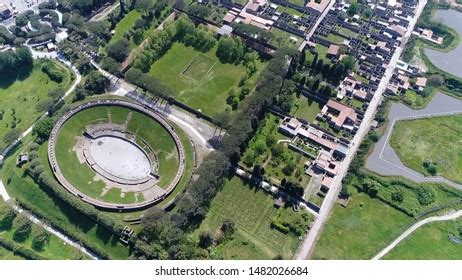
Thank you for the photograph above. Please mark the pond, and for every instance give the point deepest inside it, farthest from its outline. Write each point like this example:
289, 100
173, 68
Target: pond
450, 61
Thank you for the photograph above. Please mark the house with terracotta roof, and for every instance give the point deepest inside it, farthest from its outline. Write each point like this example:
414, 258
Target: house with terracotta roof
340, 116
333, 51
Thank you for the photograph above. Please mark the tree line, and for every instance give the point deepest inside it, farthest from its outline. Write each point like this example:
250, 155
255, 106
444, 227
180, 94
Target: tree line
163, 234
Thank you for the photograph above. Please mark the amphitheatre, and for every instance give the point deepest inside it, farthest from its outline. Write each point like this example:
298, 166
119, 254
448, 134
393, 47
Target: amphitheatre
116, 155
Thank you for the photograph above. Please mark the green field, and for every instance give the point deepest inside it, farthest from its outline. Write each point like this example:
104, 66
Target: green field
430, 242
18, 99
199, 67
252, 211
124, 25
197, 79
55, 248
282, 39
335, 39
306, 108
81, 175
26, 191
300, 3
8, 255
360, 230
435, 139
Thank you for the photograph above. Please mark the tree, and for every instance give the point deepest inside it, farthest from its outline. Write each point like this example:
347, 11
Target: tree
228, 227
41, 238
205, 239
353, 9
260, 147
349, 62
435, 80
44, 105
111, 65
198, 10
144, 5
24, 57
230, 50
43, 128
96, 83
22, 227
397, 196
119, 50
7, 216
56, 94
11, 136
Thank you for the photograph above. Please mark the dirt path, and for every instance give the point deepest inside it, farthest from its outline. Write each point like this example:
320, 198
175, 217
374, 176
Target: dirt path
447, 217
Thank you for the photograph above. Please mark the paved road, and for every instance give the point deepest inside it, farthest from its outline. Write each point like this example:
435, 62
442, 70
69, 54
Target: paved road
447, 217
105, 12
308, 243
315, 26
384, 160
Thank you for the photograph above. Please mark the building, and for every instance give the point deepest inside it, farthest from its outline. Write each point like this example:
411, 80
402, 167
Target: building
333, 51
5, 12
339, 115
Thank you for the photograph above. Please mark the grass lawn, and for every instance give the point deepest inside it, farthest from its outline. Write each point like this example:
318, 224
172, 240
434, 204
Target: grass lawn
360, 230
347, 32
430, 242
413, 99
300, 3
55, 249
195, 81
124, 26
282, 39
81, 175
306, 108
335, 39
18, 98
322, 52
8, 255
252, 211
162, 143
435, 139
26, 191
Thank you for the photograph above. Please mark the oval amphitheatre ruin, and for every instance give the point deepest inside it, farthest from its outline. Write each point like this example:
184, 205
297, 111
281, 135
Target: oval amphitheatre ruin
118, 156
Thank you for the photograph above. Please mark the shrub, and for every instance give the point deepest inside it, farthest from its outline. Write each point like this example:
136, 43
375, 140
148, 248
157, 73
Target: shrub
397, 196
205, 239
425, 196
53, 72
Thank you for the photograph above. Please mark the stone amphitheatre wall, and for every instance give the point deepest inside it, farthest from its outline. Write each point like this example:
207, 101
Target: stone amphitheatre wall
107, 205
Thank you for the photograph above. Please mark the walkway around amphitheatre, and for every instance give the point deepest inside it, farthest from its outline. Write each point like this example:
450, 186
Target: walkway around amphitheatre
447, 217
384, 160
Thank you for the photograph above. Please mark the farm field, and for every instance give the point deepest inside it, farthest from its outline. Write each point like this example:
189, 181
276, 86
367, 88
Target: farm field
81, 175
252, 211
124, 26
435, 140
360, 230
430, 242
18, 99
306, 108
198, 79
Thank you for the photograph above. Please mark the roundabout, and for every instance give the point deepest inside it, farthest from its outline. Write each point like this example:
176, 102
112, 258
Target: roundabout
116, 155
